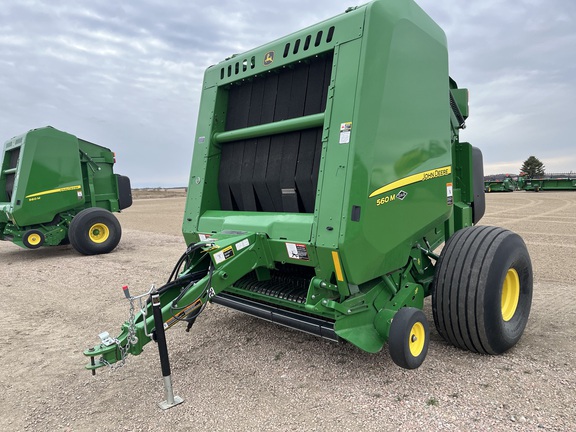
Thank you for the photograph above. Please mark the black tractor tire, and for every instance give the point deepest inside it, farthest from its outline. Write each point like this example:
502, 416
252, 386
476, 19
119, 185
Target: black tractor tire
409, 338
33, 239
94, 231
482, 291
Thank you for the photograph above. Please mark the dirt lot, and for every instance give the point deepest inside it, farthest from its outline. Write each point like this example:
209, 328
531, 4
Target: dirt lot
237, 373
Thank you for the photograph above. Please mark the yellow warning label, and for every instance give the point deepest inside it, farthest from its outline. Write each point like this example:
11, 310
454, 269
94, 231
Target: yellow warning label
223, 255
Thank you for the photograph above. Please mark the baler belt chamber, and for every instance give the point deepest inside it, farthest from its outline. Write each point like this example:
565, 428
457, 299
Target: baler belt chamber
275, 172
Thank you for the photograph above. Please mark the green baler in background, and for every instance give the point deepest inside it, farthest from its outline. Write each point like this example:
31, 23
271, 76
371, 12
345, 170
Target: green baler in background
56, 188
327, 171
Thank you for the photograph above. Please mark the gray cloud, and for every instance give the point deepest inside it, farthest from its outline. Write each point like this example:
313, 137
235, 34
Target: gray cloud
518, 59
127, 75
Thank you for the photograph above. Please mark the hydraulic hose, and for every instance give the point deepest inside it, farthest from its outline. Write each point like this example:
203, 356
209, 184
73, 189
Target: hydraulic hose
174, 306
186, 255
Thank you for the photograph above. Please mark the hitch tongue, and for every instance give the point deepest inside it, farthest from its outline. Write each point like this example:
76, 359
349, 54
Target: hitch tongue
115, 350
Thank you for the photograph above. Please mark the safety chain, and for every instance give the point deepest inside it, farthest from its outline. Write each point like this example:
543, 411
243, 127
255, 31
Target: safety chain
131, 338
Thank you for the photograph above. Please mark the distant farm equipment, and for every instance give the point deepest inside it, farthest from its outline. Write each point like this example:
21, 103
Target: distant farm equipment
500, 183
58, 189
550, 182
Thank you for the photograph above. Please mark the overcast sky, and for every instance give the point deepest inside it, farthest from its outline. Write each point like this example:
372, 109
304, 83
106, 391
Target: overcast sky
127, 74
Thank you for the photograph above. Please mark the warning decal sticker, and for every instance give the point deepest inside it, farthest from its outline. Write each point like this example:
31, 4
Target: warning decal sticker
297, 251
243, 244
345, 131
449, 194
223, 255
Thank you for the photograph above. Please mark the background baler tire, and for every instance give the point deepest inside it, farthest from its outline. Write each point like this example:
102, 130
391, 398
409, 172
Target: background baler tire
482, 292
94, 231
33, 239
409, 338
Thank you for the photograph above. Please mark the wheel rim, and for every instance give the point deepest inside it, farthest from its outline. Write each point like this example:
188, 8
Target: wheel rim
99, 233
417, 339
34, 239
510, 294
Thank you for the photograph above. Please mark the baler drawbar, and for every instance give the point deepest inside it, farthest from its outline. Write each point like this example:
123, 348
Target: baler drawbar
327, 172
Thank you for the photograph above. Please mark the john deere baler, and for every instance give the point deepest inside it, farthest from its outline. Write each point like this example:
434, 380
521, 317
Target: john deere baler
56, 188
327, 171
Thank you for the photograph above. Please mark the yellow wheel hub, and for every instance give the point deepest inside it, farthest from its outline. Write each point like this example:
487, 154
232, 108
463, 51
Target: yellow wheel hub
99, 233
417, 339
34, 239
510, 294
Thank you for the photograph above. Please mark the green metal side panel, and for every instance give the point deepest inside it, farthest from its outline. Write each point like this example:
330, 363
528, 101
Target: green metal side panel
98, 176
400, 160
295, 227
203, 185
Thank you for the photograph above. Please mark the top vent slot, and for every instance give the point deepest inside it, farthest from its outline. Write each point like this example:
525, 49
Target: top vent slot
307, 40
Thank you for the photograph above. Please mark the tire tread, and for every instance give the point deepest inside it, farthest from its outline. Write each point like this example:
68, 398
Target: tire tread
460, 286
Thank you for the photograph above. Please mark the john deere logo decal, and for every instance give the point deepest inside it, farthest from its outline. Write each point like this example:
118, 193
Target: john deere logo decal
268, 58
414, 178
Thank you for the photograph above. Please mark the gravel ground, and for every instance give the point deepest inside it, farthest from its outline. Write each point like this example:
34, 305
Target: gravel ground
237, 373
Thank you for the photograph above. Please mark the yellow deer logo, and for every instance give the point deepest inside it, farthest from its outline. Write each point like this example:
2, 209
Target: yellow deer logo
268, 58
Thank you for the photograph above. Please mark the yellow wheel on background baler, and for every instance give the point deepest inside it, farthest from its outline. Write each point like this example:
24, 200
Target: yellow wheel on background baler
33, 239
99, 233
94, 231
408, 338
